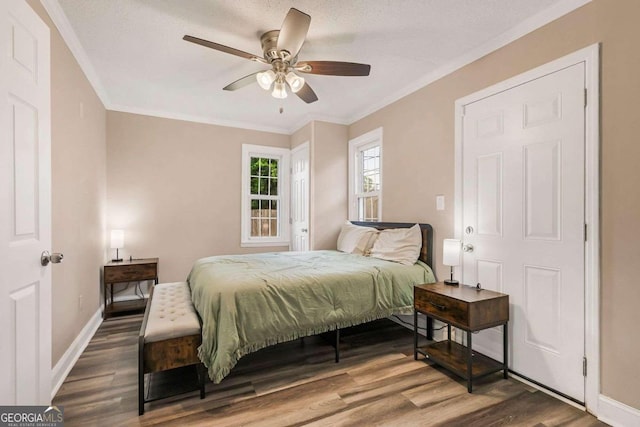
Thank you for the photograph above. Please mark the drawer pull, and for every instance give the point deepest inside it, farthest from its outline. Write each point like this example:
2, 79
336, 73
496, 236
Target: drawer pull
438, 306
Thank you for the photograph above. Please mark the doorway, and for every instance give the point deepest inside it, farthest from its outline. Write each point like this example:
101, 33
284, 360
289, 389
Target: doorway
300, 198
527, 212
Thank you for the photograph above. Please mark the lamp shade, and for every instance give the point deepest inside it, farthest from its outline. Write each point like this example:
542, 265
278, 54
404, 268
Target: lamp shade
451, 252
117, 239
265, 79
295, 82
279, 90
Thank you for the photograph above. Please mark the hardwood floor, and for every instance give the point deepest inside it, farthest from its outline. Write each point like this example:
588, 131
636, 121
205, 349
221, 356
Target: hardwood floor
377, 382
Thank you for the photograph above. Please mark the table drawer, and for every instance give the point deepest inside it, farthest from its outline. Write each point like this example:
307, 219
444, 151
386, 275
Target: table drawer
130, 273
446, 309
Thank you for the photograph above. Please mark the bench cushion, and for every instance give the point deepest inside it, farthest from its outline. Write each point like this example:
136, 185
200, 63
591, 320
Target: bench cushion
171, 313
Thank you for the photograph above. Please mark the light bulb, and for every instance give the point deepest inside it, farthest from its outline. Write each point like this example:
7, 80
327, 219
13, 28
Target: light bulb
265, 79
295, 82
279, 91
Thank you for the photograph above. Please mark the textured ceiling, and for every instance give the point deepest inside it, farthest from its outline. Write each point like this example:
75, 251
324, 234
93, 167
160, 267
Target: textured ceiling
143, 65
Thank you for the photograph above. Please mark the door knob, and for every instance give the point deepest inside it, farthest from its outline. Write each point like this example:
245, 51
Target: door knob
304, 230
46, 258
468, 247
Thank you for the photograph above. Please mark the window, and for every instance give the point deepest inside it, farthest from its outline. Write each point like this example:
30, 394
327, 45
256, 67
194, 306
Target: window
265, 196
365, 177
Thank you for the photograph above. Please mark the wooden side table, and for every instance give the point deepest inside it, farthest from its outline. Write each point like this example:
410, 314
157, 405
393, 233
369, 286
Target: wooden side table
468, 309
127, 271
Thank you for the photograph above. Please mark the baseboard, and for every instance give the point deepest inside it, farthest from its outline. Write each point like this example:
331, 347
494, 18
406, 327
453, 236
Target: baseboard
616, 413
70, 357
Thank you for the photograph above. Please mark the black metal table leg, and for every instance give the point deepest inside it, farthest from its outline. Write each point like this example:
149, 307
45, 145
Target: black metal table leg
415, 335
429, 328
469, 362
505, 350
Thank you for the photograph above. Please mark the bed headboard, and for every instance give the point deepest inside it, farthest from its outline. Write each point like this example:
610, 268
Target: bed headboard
427, 236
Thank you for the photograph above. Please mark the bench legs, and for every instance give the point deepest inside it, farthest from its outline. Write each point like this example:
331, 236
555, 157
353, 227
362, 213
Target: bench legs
202, 376
202, 379
141, 376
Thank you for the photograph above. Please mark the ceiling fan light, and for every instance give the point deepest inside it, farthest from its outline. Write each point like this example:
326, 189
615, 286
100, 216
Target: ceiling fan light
279, 90
265, 79
295, 82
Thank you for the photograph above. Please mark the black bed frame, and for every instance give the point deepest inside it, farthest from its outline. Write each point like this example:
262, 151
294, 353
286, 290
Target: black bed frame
426, 256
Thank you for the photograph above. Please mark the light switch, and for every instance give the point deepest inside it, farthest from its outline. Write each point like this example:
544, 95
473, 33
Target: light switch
440, 202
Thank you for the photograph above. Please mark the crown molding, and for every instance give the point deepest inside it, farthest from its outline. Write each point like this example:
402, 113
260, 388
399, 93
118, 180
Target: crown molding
199, 119
65, 29
525, 27
319, 118
550, 14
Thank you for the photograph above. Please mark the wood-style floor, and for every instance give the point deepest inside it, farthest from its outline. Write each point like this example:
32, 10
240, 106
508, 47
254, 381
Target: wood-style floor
377, 382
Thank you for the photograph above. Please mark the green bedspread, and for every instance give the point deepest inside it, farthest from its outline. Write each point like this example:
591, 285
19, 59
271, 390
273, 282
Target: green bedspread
248, 302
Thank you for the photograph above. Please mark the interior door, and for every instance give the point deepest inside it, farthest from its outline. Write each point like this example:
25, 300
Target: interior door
25, 207
300, 198
523, 214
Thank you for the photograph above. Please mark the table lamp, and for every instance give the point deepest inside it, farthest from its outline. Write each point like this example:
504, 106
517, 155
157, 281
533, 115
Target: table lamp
451, 257
117, 242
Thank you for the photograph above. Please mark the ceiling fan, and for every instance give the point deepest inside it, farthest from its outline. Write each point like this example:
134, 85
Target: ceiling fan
280, 51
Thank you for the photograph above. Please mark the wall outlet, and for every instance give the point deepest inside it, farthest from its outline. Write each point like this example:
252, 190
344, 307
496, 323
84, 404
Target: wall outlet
440, 202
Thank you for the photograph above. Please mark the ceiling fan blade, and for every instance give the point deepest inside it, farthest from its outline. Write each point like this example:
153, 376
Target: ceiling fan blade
240, 83
223, 48
333, 68
307, 94
293, 32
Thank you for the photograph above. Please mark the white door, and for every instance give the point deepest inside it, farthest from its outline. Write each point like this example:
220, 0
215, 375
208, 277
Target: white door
300, 198
25, 207
523, 213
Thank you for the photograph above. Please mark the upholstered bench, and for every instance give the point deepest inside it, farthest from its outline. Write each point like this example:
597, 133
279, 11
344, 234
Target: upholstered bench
170, 335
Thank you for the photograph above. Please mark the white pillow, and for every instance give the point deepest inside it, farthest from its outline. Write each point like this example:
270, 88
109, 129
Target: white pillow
355, 239
399, 245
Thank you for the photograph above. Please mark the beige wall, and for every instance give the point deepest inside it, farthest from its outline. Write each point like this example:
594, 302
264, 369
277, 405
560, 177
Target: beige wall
78, 179
157, 164
329, 152
301, 136
174, 187
419, 154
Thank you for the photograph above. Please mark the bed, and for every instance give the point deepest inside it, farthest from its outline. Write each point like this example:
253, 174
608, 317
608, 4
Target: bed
248, 302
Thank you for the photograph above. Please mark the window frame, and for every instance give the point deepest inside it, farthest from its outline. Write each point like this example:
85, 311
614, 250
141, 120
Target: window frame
283, 156
356, 147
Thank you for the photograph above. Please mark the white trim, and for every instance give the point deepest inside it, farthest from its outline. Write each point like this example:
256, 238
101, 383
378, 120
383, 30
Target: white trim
616, 413
70, 357
199, 119
65, 28
319, 118
283, 154
590, 56
304, 146
373, 137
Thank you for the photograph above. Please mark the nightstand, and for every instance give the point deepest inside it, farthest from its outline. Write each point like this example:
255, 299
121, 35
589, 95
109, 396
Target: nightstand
470, 310
127, 271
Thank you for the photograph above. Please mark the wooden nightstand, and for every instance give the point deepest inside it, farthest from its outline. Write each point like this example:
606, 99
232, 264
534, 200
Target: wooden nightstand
127, 271
468, 309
